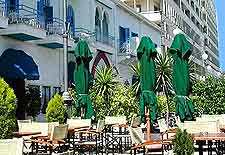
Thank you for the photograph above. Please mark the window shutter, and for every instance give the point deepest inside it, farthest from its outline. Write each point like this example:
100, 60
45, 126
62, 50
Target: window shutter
40, 9
17, 6
127, 34
7, 7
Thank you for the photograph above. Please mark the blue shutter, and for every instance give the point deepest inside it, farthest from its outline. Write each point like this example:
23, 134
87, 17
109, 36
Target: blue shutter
127, 34
7, 7
40, 9
17, 6
121, 35
70, 18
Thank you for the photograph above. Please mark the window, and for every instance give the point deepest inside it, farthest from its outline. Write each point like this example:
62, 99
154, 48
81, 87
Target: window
156, 8
134, 34
105, 25
97, 24
71, 19
56, 90
46, 94
124, 35
138, 8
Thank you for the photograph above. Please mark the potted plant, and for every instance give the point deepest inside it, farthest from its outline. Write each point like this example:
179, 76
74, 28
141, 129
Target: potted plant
183, 143
55, 111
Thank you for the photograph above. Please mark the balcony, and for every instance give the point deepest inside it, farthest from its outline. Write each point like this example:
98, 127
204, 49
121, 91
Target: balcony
3, 18
24, 25
153, 16
54, 35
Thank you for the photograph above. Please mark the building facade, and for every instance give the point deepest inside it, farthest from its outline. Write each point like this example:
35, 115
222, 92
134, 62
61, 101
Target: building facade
31, 42
196, 18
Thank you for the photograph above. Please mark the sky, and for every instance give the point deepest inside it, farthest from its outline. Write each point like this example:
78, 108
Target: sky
220, 6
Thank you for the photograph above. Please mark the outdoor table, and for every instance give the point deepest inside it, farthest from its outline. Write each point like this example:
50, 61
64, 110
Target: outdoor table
21, 134
201, 138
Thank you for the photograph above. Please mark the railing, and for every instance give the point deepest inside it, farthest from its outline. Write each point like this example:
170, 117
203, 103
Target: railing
28, 16
105, 39
55, 27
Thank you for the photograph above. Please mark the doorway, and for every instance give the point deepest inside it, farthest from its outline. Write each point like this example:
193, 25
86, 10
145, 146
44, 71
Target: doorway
18, 86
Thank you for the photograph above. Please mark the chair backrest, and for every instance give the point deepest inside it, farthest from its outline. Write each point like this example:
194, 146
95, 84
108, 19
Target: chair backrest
59, 132
40, 127
135, 122
22, 122
25, 127
51, 126
110, 120
162, 125
137, 136
79, 123
11, 146
100, 126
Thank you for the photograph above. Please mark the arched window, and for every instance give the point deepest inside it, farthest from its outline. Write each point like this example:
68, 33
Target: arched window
98, 24
105, 26
71, 19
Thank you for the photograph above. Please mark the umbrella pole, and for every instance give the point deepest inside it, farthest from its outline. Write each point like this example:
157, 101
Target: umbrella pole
148, 124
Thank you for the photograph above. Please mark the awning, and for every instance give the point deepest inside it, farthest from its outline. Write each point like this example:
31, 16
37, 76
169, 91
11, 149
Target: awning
16, 64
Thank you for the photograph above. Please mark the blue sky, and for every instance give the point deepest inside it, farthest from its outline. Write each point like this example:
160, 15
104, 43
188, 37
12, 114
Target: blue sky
220, 5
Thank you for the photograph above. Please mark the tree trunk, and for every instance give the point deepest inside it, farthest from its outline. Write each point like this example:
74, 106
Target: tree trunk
165, 90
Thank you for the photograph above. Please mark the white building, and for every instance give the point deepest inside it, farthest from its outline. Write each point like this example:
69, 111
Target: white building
112, 25
196, 18
33, 28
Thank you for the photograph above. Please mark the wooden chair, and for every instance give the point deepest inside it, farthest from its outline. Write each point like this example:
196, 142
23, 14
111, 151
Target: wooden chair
11, 146
91, 140
138, 142
56, 143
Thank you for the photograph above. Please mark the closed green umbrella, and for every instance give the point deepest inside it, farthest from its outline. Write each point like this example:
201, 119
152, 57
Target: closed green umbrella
181, 50
82, 76
146, 54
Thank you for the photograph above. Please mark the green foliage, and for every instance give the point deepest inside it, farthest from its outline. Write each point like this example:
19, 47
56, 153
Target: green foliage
55, 111
135, 69
7, 110
164, 72
112, 99
199, 104
33, 101
162, 103
210, 92
183, 143
104, 83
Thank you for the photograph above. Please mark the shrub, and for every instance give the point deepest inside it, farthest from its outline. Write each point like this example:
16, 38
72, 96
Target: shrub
55, 111
183, 143
211, 93
7, 110
162, 102
122, 102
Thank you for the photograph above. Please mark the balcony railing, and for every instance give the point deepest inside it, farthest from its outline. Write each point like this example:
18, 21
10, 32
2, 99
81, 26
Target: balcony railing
55, 27
105, 39
26, 15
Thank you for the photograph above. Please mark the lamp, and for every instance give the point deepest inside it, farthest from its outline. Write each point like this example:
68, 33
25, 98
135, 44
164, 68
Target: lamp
205, 56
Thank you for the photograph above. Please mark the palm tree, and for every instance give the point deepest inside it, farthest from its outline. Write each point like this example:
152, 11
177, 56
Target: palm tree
104, 82
135, 69
164, 77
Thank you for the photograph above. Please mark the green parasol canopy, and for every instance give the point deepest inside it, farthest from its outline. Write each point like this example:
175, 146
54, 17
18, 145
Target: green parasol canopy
82, 76
146, 54
181, 50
